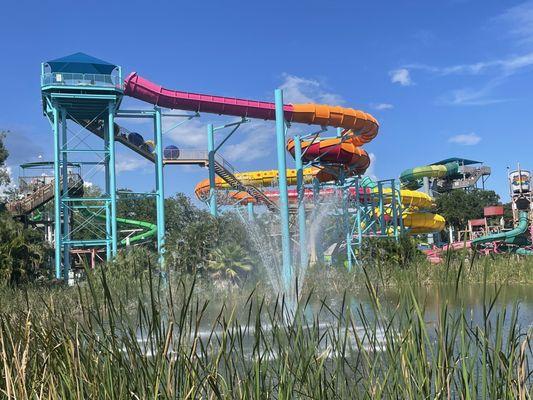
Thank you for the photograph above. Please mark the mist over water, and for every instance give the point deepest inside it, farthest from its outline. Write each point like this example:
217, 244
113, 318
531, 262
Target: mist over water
265, 235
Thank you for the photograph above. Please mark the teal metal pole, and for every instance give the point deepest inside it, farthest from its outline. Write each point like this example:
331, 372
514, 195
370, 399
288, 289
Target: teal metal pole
250, 207
211, 166
302, 229
283, 195
160, 186
347, 225
65, 204
57, 195
319, 250
112, 178
109, 234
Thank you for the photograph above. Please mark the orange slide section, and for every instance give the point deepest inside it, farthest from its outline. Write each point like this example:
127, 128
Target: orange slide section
254, 178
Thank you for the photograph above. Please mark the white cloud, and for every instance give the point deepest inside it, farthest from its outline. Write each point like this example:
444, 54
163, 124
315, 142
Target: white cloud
371, 171
401, 76
128, 162
519, 20
191, 134
506, 66
301, 90
468, 139
258, 142
382, 106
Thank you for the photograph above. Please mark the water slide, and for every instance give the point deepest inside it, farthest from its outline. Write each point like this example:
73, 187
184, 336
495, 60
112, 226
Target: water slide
412, 178
149, 230
358, 128
514, 236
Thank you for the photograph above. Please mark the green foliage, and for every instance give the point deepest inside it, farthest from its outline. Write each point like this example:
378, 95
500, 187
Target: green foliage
4, 175
388, 251
22, 251
230, 262
458, 206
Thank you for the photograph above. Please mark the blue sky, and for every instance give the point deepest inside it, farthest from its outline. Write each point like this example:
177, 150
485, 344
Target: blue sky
449, 78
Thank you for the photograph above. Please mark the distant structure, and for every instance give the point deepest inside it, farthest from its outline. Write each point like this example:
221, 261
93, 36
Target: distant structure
469, 175
520, 192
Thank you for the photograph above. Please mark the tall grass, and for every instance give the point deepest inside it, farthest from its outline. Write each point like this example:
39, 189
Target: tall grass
152, 338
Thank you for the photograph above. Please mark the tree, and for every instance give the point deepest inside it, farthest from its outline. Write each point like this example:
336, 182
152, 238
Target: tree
458, 206
229, 262
4, 173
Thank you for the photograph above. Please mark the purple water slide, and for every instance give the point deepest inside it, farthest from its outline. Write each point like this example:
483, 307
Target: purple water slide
142, 89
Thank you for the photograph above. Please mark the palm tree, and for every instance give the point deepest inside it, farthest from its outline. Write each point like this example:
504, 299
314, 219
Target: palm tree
229, 262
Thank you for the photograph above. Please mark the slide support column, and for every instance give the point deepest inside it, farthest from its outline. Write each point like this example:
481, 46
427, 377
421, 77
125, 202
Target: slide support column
109, 234
283, 195
160, 187
65, 204
57, 194
112, 177
211, 166
302, 229
250, 207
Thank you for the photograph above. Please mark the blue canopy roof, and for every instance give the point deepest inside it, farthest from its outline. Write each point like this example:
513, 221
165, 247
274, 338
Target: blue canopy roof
81, 63
462, 161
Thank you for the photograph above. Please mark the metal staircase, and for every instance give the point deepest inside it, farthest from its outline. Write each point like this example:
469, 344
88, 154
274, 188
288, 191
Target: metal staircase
42, 195
188, 157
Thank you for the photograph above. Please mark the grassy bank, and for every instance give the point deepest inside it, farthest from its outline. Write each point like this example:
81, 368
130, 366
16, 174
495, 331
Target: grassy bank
134, 335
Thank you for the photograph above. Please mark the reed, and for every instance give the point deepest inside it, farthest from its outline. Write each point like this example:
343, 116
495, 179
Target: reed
147, 337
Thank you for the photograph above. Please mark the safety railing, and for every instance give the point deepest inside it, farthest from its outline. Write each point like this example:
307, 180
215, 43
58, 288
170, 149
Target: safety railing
76, 79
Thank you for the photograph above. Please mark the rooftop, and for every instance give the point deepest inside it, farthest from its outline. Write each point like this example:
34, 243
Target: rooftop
461, 161
81, 63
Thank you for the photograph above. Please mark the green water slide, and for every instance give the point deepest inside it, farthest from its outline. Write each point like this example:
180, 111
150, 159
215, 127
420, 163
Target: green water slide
514, 236
412, 178
149, 229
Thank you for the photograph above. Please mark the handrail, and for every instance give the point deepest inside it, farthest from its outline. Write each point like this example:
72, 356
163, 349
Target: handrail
78, 79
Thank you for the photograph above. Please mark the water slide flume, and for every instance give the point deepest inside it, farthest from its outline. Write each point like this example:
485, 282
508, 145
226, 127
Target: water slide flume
358, 127
149, 230
510, 237
412, 178
364, 127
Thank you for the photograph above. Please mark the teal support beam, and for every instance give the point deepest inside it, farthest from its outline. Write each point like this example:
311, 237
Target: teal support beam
211, 166
302, 229
57, 194
160, 198
64, 203
287, 272
112, 178
319, 249
250, 207
109, 254
358, 212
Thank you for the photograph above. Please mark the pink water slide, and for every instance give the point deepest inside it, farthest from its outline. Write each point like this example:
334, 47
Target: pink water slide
364, 124
143, 89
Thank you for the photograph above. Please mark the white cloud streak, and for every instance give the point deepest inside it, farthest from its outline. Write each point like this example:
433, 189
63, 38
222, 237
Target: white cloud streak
382, 106
468, 139
302, 90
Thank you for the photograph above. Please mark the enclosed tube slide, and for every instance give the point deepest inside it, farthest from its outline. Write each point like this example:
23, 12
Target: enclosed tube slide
509, 237
412, 178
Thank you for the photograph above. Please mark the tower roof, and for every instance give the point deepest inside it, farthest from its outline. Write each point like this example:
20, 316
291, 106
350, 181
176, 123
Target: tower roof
81, 63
